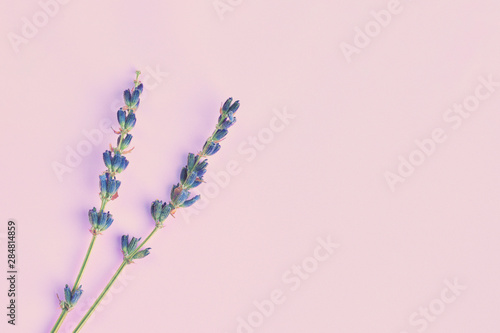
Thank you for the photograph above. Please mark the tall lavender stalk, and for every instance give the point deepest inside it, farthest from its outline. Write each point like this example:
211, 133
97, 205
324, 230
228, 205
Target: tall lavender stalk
115, 163
191, 177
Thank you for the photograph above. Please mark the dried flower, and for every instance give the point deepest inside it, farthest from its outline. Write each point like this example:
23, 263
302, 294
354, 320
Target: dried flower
100, 221
129, 247
70, 298
109, 186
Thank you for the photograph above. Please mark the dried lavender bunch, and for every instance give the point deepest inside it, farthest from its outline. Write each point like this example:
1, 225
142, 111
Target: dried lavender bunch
115, 163
191, 176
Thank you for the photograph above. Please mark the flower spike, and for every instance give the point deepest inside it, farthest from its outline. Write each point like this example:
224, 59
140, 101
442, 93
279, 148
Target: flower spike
192, 174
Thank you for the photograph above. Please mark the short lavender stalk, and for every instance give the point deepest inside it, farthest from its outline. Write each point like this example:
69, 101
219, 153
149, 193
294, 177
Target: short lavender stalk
191, 176
107, 287
100, 220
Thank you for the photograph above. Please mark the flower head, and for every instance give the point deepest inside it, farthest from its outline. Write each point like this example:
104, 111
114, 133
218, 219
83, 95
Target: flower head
229, 106
109, 186
160, 211
126, 119
129, 247
116, 163
211, 148
132, 97
70, 298
100, 221
178, 195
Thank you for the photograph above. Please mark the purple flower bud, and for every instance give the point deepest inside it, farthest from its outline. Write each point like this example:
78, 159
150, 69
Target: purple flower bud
139, 88
165, 211
227, 104
124, 143
121, 118
220, 134
192, 159
124, 245
67, 294
70, 297
135, 97
228, 123
178, 195
184, 173
211, 148
130, 122
191, 201
233, 108
93, 217
107, 159
141, 254
127, 96
76, 296
156, 208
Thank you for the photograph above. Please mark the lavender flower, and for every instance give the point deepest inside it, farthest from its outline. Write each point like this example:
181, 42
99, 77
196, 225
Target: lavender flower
109, 186
70, 298
100, 221
129, 248
124, 143
160, 210
115, 163
192, 174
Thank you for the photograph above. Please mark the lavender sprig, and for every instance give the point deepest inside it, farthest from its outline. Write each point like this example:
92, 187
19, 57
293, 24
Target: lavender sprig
115, 163
191, 176
196, 167
114, 160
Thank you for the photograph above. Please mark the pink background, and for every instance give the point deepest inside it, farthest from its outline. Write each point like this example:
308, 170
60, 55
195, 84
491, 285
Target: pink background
320, 175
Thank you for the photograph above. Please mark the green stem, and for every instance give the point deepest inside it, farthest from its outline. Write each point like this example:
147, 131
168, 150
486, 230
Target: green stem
84, 264
99, 299
59, 321
111, 282
103, 205
61, 318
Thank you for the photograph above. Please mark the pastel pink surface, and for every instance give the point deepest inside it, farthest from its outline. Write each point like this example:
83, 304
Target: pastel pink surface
279, 182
